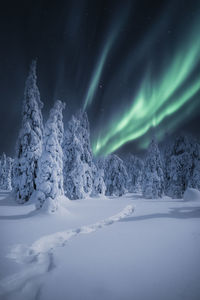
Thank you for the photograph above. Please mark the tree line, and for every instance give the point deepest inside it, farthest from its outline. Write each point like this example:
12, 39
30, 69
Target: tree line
51, 162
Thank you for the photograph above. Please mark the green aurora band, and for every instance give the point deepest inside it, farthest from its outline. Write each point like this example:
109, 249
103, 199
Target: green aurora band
156, 99
161, 130
102, 60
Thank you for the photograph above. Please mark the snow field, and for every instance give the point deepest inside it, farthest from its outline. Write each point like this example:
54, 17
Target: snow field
151, 254
38, 257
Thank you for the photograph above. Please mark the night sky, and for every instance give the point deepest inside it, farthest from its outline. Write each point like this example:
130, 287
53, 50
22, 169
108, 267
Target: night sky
134, 66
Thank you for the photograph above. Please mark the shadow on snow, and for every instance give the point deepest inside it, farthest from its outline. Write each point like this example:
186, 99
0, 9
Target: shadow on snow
174, 213
7, 199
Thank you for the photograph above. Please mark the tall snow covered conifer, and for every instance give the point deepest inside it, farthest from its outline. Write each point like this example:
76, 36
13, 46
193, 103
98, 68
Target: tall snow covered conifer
153, 178
49, 179
6, 173
99, 186
3, 178
194, 171
194, 181
115, 176
182, 166
78, 160
134, 166
178, 165
29, 144
9, 166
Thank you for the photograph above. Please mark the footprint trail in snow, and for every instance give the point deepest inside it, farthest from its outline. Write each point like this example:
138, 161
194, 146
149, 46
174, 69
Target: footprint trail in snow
39, 256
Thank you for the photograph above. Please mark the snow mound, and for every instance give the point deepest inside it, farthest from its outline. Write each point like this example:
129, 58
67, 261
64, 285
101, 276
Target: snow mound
191, 195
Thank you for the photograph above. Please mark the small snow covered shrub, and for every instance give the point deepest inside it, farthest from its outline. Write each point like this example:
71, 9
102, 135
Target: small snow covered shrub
191, 194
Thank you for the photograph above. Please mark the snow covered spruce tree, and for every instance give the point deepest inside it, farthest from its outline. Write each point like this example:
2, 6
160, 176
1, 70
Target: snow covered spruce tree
49, 181
9, 167
153, 177
99, 186
134, 167
115, 176
182, 166
194, 171
194, 181
29, 144
3, 172
78, 160
177, 162
0, 173
6, 173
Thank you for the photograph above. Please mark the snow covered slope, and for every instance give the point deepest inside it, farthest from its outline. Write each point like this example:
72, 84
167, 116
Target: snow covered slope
150, 251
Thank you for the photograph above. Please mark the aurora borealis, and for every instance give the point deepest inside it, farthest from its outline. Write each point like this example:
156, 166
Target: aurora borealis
157, 99
96, 76
133, 66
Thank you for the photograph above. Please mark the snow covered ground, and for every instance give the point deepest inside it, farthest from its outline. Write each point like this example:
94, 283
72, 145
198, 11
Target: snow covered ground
103, 248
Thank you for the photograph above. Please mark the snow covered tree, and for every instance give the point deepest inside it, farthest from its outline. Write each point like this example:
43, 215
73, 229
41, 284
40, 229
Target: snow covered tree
194, 181
153, 178
115, 176
6, 172
166, 153
29, 144
74, 167
78, 160
49, 181
99, 186
13, 173
194, 176
0, 173
9, 166
134, 167
178, 166
3, 172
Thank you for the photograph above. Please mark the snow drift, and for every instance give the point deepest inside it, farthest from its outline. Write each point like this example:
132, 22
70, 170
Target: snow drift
191, 195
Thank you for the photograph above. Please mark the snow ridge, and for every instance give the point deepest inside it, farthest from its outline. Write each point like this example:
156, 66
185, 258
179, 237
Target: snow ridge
39, 257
